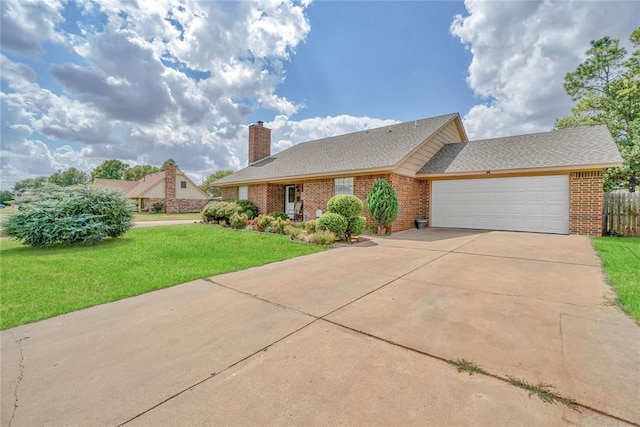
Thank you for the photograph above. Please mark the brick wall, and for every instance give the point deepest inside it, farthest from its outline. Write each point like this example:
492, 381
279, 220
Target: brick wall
230, 193
258, 195
178, 205
585, 202
317, 193
411, 195
275, 198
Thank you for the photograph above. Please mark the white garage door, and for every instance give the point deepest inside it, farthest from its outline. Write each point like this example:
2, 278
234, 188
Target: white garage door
538, 204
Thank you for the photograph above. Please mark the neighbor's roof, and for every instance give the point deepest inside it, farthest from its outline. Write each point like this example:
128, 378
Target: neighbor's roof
145, 184
578, 147
373, 149
114, 184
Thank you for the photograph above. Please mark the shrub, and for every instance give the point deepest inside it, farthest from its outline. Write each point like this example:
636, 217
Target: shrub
239, 221
280, 215
382, 203
278, 226
311, 226
323, 237
293, 231
333, 222
82, 214
157, 207
219, 211
262, 222
355, 226
248, 208
345, 205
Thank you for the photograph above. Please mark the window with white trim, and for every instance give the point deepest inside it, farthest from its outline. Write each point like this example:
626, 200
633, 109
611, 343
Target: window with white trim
243, 192
343, 186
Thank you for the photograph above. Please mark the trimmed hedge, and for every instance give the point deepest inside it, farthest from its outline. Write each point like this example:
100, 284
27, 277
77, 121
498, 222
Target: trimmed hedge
346, 205
333, 222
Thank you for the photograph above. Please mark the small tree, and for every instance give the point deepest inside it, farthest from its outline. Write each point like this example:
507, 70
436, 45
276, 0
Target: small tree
382, 204
71, 176
62, 216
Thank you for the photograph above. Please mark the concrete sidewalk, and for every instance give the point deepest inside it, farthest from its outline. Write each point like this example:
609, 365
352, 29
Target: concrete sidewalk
355, 335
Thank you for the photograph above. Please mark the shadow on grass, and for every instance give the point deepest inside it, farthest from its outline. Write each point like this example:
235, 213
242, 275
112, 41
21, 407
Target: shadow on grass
25, 250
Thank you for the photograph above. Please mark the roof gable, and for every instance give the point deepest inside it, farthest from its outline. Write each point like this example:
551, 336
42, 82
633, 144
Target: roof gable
578, 147
374, 149
145, 184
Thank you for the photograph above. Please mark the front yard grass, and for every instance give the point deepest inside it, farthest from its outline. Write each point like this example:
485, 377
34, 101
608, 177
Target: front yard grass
166, 217
621, 261
38, 283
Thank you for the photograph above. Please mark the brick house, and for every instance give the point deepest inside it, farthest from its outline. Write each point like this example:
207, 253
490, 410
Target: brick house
548, 182
171, 187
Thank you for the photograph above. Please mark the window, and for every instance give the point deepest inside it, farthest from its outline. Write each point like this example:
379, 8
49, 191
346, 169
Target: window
343, 186
183, 184
243, 192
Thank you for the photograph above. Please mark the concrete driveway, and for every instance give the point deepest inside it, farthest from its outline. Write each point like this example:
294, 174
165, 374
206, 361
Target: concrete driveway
356, 335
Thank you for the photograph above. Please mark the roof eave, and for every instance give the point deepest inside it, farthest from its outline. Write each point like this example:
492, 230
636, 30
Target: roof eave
569, 168
292, 178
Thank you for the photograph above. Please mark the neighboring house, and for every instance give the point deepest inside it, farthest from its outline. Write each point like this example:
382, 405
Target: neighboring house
547, 182
171, 187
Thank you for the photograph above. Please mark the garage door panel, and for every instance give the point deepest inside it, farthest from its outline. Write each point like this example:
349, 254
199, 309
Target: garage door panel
539, 204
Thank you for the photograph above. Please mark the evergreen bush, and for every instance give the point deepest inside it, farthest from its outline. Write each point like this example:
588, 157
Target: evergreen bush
81, 214
382, 204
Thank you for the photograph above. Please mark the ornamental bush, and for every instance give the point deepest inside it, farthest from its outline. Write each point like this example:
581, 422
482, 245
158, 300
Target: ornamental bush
248, 208
323, 237
333, 222
239, 221
219, 211
346, 205
382, 204
355, 226
57, 216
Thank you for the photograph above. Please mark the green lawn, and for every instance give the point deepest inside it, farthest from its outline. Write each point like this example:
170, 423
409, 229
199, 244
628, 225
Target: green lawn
621, 260
164, 217
40, 283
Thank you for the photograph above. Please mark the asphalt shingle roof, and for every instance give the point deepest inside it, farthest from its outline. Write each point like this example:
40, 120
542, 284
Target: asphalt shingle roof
559, 148
379, 148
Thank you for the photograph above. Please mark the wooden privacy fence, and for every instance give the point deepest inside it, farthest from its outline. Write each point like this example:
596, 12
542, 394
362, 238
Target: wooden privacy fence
621, 214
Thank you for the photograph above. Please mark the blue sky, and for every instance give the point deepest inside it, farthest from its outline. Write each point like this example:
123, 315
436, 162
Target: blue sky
142, 81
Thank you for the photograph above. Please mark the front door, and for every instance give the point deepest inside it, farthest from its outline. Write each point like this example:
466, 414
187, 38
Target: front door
289, 200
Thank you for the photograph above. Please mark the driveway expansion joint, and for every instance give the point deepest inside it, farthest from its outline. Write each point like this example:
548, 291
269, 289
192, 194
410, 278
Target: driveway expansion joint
19, 379
215, 374
526, 259
577, 405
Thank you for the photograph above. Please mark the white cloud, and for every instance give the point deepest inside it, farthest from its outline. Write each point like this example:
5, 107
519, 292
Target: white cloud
521, 52
150, 80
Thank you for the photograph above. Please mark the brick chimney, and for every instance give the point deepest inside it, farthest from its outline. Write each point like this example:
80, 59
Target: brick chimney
259, 142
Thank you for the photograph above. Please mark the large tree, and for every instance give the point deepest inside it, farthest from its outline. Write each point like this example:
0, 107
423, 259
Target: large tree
30, 184
71, 176
136, 172
209, 187
110, 169
606, 88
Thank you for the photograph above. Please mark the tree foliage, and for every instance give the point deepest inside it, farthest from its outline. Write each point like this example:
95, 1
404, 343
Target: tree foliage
382, 203
137, 172
56, 216
606, 88
71, 176
169, 161
209, 187
30, 184
6, 196
110, 169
